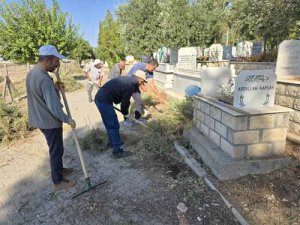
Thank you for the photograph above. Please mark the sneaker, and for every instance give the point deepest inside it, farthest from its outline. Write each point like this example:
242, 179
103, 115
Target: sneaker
67, 171
124, 154
128, 123
64, 184
142, 120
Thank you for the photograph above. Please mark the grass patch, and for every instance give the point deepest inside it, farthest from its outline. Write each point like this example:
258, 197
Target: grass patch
13, 124
183, 110
95, 139
70, 83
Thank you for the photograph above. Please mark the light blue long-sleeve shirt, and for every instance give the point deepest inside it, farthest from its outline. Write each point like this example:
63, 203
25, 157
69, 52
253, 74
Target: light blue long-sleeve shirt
44, 106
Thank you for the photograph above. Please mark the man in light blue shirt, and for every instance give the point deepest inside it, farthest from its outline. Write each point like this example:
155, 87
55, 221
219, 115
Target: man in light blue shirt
45, 112
148, 68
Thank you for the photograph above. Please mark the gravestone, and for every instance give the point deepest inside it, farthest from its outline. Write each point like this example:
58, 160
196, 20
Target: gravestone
288, 60
257, 48
234, 52
213, 78
227, 52
255, 89
187, 58
244, 49
216, 52
206, 52
199, 52
173, 56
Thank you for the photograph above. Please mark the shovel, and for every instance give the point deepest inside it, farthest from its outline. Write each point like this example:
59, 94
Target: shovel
83, 166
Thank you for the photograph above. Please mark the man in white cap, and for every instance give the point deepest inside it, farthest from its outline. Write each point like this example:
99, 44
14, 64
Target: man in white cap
94, 74
115, 91
45, 112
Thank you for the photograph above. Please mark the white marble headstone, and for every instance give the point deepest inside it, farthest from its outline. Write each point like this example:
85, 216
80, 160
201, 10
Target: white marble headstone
244, 49
255, 89
187, 58
288, 59
213, 78
216, 52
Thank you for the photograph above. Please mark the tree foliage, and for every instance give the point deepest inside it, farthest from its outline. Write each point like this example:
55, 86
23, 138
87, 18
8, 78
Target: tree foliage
82, 51
109, 40
28, 24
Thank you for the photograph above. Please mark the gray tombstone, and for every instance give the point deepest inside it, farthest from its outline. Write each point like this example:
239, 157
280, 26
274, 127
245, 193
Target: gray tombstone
288, 59
257, 48
173, 56
227, 52
213, 78
255, 89
187, 58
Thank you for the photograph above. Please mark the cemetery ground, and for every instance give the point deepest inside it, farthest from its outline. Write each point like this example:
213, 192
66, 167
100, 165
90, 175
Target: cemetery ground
143, 189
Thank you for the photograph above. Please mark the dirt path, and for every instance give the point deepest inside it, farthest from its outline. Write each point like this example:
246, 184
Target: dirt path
138, 189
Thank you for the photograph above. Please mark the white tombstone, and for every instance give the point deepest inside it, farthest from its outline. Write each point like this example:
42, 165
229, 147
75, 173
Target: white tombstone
216, 52
255, 89
199, 52
244, 49
234, 52
213, 78
206, 52
187, 58
288, 59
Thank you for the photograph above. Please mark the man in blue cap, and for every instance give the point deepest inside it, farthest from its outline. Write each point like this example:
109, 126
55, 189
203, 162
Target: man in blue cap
45, 112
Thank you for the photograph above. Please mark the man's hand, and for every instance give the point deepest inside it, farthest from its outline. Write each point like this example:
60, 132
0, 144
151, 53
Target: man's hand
60, 85
72, 123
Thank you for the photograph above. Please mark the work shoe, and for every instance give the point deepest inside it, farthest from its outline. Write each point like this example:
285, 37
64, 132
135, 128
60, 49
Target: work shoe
67, 171
128, 123
124, 154
142, 120
64, 184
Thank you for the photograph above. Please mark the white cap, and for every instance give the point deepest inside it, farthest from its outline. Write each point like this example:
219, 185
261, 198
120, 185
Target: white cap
98, 61
141, 74
50, 50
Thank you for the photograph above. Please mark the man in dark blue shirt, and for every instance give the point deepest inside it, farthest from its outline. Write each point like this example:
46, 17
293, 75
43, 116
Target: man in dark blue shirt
118, 90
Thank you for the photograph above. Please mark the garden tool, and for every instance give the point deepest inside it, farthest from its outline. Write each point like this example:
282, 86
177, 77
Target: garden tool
83, 166
133, 119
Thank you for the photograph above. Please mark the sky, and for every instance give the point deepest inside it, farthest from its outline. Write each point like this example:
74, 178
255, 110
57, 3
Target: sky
88, 14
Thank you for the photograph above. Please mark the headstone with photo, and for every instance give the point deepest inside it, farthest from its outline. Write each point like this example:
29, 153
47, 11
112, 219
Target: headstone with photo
255, 89
216, 52
213, 78
173, 56
257, 48
288, 59
227, 52
187, 58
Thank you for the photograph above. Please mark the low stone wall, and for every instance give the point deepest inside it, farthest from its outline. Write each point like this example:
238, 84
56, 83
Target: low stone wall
288, 95
253, 134
164, 75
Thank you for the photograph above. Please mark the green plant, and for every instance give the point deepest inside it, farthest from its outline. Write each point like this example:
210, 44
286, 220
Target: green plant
95, 139
183, 110
70, 83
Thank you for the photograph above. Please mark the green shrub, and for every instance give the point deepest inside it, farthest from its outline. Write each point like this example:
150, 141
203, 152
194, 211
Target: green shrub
95, 139
183, 110
13, 124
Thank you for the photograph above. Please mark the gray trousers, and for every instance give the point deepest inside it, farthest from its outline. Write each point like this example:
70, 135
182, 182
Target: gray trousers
139, 104
89, 88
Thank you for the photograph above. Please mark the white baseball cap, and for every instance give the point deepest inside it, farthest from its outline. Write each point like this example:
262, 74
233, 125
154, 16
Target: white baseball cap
141, 74
50, 50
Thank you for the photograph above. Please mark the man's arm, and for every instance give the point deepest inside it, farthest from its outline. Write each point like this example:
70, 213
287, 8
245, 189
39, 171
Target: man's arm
154, 89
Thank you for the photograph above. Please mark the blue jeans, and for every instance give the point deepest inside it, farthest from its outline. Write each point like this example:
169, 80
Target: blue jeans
111, 123
56, 151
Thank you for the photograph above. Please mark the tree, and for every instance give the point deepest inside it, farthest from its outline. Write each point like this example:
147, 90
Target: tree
29, 24
141, 29
109, 40
82, 51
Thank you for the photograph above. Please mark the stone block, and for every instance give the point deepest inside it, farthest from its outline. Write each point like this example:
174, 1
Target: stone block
198, 124
215, 138
294, 127
205, 129
235, 122
279, 148
221, 129
215, 113
210, 122
201, 116
246, 137
259, 150
293, 90
205, 107
280, 89
278, 134
230, 135
263, 121
236, 152
285, 101
297, 104
283, 120
197, 104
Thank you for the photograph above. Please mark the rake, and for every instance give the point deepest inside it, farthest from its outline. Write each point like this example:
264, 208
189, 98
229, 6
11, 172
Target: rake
82, 162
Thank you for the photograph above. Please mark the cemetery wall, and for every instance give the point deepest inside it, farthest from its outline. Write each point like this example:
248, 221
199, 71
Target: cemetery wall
288, 95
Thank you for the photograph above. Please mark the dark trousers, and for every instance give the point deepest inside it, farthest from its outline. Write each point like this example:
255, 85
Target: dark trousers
56, 150
111, 123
